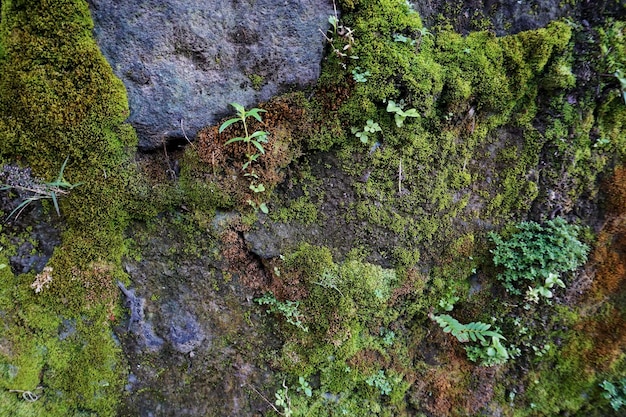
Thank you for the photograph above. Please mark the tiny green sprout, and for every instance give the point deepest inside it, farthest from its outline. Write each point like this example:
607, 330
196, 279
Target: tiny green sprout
397, 37
600, 143
283, 401
399, 114
422, 32
370, 128
304, 387
257, 188
360, 76
447, 304
533, 294
263, 207
425, 32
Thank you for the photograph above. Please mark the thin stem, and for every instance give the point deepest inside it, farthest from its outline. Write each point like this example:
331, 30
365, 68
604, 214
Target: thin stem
262, 396
245, 128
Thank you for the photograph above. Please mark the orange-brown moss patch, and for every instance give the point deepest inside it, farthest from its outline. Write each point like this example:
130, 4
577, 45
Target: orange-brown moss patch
286, 123
608, 334
241, 262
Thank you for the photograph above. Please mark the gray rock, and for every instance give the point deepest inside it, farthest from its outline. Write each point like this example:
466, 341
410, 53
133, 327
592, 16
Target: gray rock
187, 60
185, 333
137, 324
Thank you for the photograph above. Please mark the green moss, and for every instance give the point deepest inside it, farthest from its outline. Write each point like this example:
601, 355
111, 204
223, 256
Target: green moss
256, 80
300, 210
346, 306
562, 384
61, 100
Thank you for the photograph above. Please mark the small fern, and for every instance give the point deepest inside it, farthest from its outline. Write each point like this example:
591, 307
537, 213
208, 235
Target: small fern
489, 352
475, 331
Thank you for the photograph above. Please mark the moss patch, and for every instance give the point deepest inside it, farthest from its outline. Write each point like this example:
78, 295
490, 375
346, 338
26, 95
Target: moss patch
60, 99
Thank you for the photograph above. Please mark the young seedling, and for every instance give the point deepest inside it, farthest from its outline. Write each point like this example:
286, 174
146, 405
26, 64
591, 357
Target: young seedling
370, 128
359, 75
399, 114
422, 32
255, 139
263, 207
398, 37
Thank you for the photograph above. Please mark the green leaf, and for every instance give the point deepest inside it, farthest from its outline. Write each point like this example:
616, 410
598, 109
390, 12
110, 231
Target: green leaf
255, 113
257, 188
265, 210
60, 176
411, 113
259, 134
258, 146
55, 202
240, 109
392, 107
493, 335
227, 123
237, 139
372, 126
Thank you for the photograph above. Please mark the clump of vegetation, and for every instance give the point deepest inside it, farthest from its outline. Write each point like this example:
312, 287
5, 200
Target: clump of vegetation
615, 393
370, 129
288, 309
36, 190
399, 114
536, 254
489, 352
256, 139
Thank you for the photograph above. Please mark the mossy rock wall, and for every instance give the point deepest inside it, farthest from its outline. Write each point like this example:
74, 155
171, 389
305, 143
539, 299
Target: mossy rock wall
169, 291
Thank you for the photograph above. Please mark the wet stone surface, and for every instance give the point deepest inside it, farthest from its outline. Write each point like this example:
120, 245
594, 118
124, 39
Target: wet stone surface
212, 335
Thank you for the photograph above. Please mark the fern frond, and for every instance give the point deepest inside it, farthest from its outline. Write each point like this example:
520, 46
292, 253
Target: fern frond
475, 331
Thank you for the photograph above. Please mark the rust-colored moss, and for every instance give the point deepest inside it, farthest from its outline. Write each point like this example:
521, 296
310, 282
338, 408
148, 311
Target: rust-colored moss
616, 190
608, 334
609, 255
448, 385
241, 262
285, 121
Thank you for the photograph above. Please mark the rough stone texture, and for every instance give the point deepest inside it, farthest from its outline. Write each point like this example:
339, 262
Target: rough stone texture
213, 337
508, 17
186, 60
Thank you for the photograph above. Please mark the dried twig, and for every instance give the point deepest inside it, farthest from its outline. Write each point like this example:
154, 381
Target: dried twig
29, 396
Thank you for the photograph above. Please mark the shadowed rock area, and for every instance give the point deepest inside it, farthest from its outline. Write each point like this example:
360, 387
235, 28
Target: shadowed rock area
506, 17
